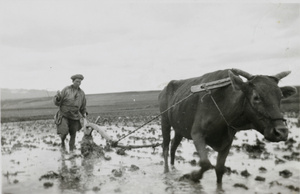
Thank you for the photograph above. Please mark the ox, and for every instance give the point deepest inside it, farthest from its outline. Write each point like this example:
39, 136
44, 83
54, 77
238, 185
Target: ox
240, 105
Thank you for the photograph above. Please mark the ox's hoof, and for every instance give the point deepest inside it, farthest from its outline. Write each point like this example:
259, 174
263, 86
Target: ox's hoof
192, 177
185, 177
173, 168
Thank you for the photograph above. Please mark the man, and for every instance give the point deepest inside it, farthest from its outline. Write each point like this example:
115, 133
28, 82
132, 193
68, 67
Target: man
72, 107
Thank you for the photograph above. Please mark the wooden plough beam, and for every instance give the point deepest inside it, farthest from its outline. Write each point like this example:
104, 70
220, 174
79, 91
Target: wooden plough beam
89, 127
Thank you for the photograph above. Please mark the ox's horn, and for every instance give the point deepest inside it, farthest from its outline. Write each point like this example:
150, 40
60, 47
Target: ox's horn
281, 75
243, 73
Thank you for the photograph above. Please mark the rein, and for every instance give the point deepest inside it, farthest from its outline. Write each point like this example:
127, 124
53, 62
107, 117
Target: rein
154, 118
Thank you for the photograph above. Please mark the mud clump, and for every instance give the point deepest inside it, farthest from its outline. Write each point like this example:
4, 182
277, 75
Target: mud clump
179, 158
290, 144
193, 162
117, 173
17, 146
3, 141
48, 184
121, 152
241, 186
293, 188
96, 189
50, 175
255, 151
294, 156
279, 161
107, 157
229, 171
245, 173
285, 173
262, 169
259, 178
274, 183
133, 168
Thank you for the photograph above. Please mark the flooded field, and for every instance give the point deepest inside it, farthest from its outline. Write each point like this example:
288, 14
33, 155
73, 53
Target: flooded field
33, 163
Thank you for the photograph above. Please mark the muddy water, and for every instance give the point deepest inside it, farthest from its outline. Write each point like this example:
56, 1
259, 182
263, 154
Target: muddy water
30, 150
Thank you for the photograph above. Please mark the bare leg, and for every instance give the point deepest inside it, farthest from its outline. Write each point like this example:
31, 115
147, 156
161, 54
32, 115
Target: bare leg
63, 145
72, 139
175, 142
62, 131
74, 126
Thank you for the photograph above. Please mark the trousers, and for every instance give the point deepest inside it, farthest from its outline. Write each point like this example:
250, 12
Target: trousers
68, 126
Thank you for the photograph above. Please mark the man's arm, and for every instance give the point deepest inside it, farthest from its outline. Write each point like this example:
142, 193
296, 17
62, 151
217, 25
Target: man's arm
58, 98
83, 107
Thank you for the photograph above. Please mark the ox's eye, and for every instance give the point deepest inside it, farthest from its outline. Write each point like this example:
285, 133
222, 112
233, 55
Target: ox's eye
256, 99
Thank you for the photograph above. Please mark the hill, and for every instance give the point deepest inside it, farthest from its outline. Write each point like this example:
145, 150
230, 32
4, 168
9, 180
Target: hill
109, 104
9, 94
104, 105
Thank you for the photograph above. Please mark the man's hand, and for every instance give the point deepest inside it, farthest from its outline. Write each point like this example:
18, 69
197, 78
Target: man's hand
113, 143
58, 95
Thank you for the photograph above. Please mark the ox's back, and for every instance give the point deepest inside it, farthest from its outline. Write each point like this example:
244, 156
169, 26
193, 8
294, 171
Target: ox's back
182, 115
178, 89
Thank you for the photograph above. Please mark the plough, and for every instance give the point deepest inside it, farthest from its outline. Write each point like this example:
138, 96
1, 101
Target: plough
205, 87
89, 127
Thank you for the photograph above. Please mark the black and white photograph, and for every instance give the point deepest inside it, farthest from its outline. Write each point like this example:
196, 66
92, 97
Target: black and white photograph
150, 97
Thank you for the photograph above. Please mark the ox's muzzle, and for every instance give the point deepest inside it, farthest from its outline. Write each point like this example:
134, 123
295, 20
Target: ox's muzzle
278, 133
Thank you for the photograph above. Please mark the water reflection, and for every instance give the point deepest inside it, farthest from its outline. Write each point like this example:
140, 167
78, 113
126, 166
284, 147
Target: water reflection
87, 172
219, 189
77, 174
173, 185
70, 174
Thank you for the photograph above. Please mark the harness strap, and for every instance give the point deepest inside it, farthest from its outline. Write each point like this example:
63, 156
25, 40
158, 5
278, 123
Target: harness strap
228, 125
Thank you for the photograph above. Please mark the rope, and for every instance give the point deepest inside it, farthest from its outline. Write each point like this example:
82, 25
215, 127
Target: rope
219, 110
228, 125
155, 117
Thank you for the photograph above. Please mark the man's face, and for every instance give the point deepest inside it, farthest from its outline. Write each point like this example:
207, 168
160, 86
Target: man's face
76, 83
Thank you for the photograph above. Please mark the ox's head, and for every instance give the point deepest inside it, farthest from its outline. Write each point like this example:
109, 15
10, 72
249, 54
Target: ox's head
263, 98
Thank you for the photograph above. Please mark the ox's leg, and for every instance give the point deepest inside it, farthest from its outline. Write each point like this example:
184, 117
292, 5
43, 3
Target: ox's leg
175, 142
199, 142
166, 130
220, 166
205, 164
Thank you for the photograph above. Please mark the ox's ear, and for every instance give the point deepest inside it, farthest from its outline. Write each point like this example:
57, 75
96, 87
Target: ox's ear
236, 81
288, 91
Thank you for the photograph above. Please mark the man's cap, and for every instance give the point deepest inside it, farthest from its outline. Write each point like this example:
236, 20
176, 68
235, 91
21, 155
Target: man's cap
77, 76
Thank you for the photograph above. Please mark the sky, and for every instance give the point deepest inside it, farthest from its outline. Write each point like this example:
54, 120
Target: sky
142, 45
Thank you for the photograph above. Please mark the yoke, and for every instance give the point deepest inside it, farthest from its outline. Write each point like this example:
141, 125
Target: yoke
211, 85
